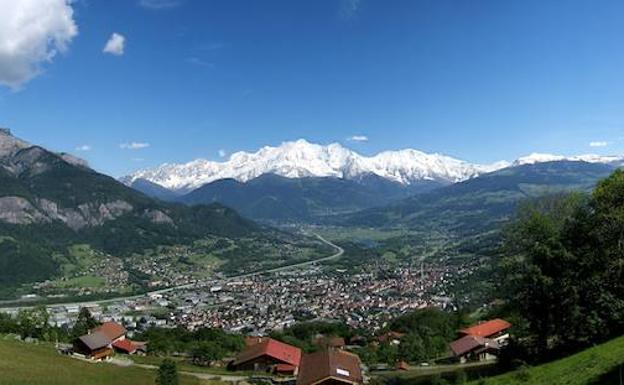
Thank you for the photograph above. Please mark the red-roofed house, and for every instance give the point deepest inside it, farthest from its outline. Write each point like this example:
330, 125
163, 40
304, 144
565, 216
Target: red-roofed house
490, 329
481, 342
269, 356
112, 330
129, 347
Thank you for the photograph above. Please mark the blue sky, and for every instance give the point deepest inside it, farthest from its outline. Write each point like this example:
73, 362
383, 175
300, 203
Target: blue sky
478, 80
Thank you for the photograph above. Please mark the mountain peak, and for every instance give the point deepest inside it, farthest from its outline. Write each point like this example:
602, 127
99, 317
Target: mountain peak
9, 144
301, 158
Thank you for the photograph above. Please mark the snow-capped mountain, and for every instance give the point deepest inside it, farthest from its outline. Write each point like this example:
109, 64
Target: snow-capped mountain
535, 157
301, 159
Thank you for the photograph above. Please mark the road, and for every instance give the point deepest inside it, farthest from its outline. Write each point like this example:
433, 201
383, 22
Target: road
339, 252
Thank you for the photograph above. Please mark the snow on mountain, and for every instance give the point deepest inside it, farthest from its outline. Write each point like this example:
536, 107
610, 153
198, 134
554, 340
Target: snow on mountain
590, 158
301, 159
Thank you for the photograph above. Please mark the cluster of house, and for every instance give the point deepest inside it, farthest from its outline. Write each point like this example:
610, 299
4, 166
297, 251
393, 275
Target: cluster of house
330, 365
101, 342
263, 303
481, 342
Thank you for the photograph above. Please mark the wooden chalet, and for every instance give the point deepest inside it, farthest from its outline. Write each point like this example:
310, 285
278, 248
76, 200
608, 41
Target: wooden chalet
107, 338
330, 367
269, 355
95, 346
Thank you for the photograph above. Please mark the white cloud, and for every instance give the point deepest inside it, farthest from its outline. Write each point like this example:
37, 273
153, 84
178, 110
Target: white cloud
159, 4
349, 8
32, 32
222, 153
134, 145
84, 147
115, 44
598, 144
198, 62
358, 138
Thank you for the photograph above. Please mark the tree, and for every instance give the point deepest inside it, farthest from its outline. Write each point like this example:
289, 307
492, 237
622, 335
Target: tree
564, 273
167, 373
84, 323
34, 322
206, 351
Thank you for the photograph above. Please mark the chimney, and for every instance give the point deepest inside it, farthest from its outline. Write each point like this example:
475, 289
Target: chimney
5, 131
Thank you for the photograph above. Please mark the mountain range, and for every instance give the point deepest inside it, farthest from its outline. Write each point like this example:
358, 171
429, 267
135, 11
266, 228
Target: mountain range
484, 203
300, 159
50, 201
305, 182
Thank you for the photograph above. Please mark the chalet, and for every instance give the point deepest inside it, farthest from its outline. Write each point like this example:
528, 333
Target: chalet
95, 346
480, 342
330, 367
107, 338
269, 355
474, 348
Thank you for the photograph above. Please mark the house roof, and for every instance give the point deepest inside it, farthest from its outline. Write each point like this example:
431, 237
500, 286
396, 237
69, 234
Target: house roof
469, 343
330, 363
277, 350
487, 329
112, 330
95, 340
124, 345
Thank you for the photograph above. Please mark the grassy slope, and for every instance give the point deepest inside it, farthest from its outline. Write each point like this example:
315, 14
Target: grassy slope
584, 368
25, 364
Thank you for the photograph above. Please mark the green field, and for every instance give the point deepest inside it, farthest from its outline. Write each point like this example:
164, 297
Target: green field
27, 364
596, 366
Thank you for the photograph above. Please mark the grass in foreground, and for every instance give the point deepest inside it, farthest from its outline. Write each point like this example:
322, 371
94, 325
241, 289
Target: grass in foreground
594, 366
26, 364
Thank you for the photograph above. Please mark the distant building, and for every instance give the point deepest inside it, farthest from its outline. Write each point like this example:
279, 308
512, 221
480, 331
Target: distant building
481, 342
474, 348
330, 342
393, 338
493, 329
330, 367
269, 355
